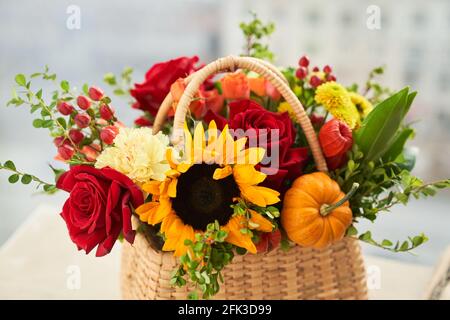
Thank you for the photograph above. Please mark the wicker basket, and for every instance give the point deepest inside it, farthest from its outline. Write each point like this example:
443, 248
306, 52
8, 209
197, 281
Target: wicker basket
336, 272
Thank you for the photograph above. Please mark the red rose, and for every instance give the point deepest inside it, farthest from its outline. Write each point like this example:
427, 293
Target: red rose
99, 207
151, 93
247, 114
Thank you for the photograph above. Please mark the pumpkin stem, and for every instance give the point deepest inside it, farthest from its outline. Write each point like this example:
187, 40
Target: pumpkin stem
326, 209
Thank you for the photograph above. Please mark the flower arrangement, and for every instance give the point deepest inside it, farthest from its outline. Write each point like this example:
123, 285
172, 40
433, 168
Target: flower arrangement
244, 180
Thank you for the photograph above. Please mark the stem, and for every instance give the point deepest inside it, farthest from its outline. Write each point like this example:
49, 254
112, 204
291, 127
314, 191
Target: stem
35, 179
326, 209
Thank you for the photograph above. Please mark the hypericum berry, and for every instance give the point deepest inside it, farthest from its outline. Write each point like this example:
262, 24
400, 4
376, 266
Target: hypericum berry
316, 69
65, 108
106, 112
327, 69
108, 134
330, 77
303, 62
59, 141
95, 93
66, 151
76, 136
301, 73
82, 120
83, 102
315, 81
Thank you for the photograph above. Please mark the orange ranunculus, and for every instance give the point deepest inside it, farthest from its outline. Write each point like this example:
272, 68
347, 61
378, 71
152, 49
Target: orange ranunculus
197, 106
258, 86
235, 86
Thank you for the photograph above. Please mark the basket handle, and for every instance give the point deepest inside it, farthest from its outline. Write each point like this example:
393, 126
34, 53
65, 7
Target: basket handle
231, 63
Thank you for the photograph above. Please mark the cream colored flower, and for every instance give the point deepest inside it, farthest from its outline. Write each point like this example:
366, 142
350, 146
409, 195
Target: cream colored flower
138, 154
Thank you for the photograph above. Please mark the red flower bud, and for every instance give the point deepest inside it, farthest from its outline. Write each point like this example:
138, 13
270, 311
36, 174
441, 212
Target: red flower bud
83, 102
327, 69
304, 61
76, 136
301, 73
335, 138
82, 120
330, 77
95, 93
316, 69
64, 108
315, 81
106, 112
59, 141
108, 134
66, 151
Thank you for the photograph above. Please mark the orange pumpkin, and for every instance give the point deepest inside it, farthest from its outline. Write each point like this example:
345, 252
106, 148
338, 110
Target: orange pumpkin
316, 213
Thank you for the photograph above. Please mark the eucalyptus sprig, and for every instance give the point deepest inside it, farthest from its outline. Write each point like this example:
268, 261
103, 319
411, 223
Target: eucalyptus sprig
121, 84
26, 178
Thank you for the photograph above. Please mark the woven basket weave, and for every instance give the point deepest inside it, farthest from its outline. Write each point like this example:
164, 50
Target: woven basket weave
336, 272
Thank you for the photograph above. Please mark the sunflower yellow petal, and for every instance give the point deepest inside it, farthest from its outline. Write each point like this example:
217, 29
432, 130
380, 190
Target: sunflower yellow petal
199, 143
246, 174
251, 156
221, 173
212, 132
261, 196
263, 224
236, 237
164, 209
146, 210
172, 189
152, 187
167, 222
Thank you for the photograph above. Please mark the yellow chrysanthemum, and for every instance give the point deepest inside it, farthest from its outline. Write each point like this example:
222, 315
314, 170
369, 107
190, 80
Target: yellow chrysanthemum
216, 170
336, 100
361, 103
286, 107
332, 95
138, 154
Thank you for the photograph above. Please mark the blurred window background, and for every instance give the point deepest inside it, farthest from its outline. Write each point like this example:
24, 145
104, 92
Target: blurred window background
413, 42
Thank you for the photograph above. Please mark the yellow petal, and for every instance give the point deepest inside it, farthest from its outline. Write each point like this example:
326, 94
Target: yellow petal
188, 145
152, 187
221, 173
199, 143
183, 167
236, 237
251, 156
261, 196
164, 209
246, 174
264, 224
172, 189
146, 210
168, 220
186, 234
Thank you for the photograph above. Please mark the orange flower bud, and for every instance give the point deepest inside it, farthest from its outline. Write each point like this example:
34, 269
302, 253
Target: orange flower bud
258, 86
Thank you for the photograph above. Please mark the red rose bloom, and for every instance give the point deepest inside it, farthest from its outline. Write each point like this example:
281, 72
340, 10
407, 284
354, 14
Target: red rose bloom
151, 93
247, 114
99, 207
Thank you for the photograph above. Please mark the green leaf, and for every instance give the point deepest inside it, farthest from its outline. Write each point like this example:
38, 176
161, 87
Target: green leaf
378, 129
26, 179
65, 85
37, 123
398, 143
21, 80
351, 231
10, 165
386, 243
62, 122
407, 159
13, 178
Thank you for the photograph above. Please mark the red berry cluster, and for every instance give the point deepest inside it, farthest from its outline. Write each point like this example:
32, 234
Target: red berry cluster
93, 112
314, 81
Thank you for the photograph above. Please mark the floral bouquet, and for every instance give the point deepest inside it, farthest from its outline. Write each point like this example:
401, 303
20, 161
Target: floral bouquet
240, 164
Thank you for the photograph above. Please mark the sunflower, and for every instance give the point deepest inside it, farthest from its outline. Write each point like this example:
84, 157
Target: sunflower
336, 100
362, 104
199, 190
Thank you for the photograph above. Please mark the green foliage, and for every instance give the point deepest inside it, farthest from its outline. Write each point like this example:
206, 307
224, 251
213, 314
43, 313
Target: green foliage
378, 92
26, 178
204, 261
121, 84
254, 32
378, 130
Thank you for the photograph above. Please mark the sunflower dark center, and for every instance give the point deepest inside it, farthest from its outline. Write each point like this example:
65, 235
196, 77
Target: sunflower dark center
201, 199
